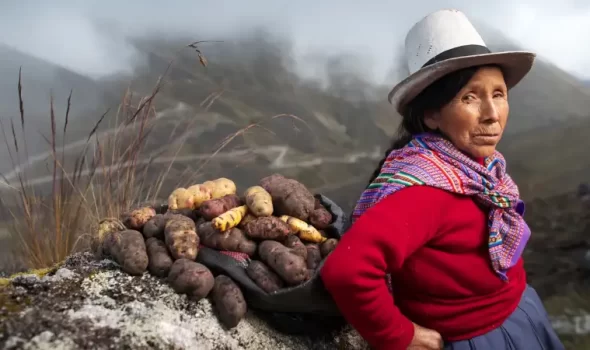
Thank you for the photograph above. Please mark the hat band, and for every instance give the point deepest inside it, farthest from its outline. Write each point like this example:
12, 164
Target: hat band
459, 51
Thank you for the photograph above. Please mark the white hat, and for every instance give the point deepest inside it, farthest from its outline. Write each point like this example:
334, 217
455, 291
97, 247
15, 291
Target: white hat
443, 42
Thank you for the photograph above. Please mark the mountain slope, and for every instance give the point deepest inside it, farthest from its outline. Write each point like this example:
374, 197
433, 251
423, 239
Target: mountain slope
547, 95
330, 144
40, 81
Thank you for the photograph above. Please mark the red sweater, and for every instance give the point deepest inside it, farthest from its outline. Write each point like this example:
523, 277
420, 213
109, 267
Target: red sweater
434, 243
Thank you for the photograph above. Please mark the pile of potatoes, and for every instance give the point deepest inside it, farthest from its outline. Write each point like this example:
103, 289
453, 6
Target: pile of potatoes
278, 224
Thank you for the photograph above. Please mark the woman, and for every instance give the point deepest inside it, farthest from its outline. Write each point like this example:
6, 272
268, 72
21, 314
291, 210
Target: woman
441, 216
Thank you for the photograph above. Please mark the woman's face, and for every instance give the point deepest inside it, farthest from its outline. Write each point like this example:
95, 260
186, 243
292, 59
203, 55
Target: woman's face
475, 118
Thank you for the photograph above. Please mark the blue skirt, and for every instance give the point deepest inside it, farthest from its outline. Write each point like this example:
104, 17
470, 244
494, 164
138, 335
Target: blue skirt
528, 328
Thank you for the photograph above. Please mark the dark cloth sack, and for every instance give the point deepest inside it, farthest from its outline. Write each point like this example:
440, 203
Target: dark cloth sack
300, 309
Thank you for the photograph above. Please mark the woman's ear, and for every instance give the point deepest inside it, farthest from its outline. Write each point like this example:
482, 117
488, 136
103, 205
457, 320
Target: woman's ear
431, 119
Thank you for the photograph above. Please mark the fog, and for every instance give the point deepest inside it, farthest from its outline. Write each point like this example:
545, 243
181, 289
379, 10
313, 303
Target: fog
89, 37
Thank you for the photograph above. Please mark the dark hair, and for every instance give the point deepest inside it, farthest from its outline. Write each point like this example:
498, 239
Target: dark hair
434, 97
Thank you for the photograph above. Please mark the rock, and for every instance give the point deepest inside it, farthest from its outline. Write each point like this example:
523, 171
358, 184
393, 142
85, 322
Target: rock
91, 304
555, 258
26, 281
59, 275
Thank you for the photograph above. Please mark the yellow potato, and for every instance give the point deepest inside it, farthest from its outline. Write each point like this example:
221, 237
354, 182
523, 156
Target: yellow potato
305, 231
220, 187
230, 218
199, 194
259, 201
180, 198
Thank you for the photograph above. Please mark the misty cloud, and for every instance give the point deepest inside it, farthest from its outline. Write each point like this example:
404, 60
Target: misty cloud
90, 37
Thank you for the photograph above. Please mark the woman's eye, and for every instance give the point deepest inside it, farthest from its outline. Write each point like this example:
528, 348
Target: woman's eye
469, 97
499, 95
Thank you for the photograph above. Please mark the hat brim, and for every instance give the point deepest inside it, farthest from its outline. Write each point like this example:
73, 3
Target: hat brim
515, 66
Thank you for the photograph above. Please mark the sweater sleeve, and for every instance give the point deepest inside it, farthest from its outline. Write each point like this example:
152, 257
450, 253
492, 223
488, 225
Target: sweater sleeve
378, 243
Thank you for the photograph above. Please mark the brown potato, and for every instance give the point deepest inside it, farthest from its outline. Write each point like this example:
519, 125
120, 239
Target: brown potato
136, 218
105, 226
317, 203
271, 181
264, 277
328, 246
249, 217
293, 242
160, 260
200, 221
127, 248
228, 301
291, 267
181, 237
289, 197
267, 227
190, 278
233, 240
314, 257
212, 208
320, 218
155, 226
188, 212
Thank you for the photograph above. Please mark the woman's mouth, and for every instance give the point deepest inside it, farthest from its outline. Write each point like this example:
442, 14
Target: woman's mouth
487, 138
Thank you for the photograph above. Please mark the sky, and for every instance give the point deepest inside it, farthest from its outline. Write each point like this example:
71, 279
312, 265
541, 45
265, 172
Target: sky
65, 31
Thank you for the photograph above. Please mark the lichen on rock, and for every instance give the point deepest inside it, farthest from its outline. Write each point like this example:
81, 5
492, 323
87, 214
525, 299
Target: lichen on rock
91, 304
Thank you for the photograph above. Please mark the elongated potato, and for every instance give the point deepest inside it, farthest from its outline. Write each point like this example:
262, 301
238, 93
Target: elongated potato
289, 266
128, 250
160, 260
314, 257
228, 301
230, 218
259, 201
295, 243
212, 208
220, 187
181, 237
267, 227
249, 217
264, 277
305, 231
233, 240
190, 278
136, 218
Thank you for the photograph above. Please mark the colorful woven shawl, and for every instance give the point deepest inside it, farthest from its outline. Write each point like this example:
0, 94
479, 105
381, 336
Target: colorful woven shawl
431, 160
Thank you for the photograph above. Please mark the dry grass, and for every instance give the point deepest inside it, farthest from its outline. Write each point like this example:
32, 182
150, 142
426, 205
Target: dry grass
108, 176
102, 181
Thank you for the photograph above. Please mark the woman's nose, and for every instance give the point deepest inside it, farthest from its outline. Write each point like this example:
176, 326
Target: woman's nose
489, 111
